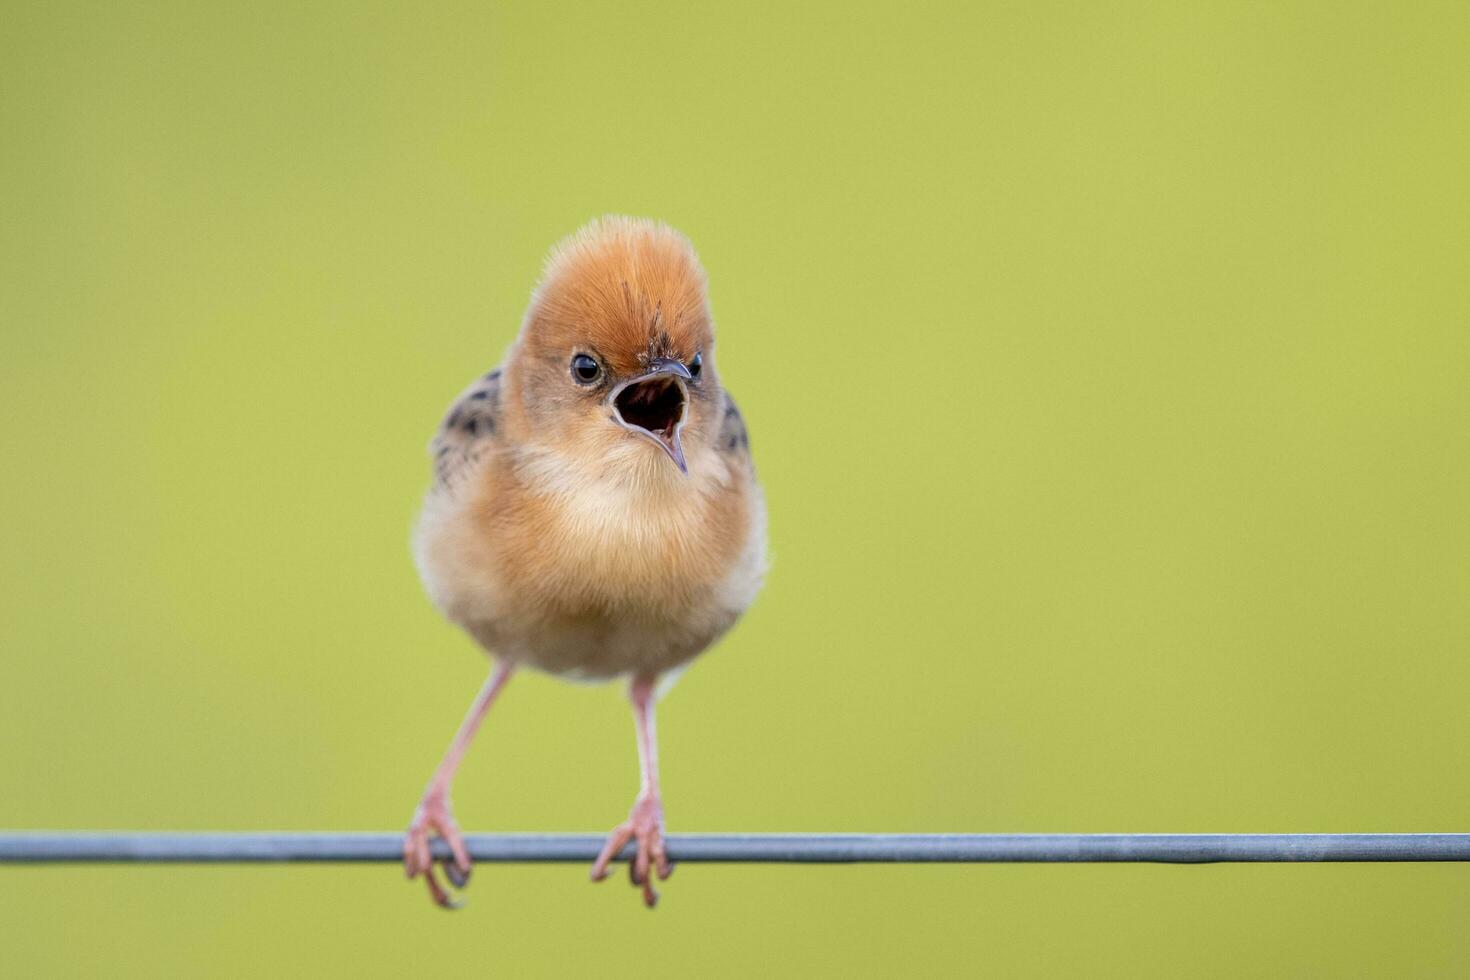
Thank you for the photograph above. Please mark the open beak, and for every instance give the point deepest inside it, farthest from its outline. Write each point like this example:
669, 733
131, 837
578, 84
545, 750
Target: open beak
655, 405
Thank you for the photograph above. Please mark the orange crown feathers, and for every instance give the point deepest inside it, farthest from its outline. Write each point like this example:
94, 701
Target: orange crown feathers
631, 289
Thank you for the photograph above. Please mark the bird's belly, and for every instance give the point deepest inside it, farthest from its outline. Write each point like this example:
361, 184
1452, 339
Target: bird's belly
598, 645
596, 587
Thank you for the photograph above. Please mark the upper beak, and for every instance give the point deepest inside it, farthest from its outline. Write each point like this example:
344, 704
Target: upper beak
666, 365
655, 407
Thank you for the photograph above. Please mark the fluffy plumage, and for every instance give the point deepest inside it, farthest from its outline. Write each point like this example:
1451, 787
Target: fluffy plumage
561, 532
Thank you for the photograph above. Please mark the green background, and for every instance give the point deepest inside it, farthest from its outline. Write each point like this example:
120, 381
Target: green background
1106, 368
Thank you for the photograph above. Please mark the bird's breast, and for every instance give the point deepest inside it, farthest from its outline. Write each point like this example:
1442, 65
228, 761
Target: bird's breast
641, 538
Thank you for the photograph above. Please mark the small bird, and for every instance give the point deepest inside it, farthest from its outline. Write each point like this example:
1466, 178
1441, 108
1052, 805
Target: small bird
595, 513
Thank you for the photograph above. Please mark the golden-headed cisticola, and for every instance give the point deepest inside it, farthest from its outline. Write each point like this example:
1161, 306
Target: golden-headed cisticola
595, 513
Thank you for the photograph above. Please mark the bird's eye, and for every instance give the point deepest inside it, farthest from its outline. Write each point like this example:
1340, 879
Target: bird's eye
585, 368
695, 365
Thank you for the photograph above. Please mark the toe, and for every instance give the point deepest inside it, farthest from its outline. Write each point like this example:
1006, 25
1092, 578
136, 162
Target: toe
661, 859
640, 861
411, 863
460, 851
615, 843
408, 869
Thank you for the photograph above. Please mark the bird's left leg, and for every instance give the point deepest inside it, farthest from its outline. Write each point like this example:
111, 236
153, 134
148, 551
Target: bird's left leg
434, 816
645, 823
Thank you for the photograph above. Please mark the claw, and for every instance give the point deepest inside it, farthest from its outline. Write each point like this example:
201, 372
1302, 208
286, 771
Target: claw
641, 878
441, 897
459, 877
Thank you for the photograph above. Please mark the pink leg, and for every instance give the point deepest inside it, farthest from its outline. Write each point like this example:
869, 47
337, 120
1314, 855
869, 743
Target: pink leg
645, 822
434, 814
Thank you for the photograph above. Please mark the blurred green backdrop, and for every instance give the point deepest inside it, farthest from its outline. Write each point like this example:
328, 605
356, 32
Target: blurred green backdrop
1106, 368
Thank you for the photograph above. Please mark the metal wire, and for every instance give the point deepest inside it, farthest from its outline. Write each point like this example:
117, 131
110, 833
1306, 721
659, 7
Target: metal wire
42, 847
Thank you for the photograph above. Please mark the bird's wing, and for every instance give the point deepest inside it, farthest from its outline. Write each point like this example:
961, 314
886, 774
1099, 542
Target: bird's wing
468, 429
733, 438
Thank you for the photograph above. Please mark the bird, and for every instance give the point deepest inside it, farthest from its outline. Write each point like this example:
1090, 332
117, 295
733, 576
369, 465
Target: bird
594, 512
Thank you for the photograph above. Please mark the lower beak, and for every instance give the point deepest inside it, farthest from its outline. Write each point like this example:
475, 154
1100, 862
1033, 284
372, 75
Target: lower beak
655, 405
675, 450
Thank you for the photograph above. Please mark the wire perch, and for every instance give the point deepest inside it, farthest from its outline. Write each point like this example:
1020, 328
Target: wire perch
87, 847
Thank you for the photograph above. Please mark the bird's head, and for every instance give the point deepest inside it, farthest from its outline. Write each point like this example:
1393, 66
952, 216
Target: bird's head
615, 360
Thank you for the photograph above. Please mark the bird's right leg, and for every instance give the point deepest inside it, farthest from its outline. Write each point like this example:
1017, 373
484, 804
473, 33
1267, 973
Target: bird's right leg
434, 815
645, 823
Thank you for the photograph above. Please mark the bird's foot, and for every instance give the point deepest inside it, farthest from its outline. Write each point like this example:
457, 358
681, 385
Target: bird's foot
434, 816
645, 824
